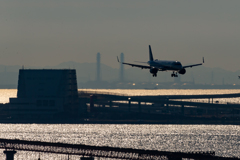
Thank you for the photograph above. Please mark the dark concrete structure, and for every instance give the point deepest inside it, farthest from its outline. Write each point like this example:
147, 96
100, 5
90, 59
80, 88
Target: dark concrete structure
44, 93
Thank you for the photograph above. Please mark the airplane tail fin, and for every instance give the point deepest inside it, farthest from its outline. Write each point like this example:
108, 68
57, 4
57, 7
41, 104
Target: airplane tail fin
150, 54
117, 59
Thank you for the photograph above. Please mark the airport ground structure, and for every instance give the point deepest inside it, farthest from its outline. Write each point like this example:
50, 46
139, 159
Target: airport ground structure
162, 109
52, 96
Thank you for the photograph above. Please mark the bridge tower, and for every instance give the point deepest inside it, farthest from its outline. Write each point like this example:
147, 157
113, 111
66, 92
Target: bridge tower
121, 75
9, 154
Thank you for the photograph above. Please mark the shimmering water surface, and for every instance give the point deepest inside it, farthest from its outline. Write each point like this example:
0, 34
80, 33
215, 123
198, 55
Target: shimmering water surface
223, 139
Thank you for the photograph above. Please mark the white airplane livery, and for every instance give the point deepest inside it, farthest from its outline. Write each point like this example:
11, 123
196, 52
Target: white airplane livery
160, 65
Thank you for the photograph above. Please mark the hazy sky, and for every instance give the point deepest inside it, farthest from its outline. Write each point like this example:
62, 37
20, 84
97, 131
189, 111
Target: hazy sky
48, 32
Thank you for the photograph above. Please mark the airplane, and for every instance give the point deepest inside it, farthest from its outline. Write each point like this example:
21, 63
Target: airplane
161, 65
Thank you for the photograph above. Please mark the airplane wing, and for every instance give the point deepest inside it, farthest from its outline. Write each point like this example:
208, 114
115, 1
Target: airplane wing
193, 65
137, 65
143, 67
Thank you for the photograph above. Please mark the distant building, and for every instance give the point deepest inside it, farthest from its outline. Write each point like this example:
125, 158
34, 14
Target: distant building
45, 92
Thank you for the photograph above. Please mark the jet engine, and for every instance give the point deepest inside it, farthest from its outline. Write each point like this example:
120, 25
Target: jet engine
153, 70
182, 71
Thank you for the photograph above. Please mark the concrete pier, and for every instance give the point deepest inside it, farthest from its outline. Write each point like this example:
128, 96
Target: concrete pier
129, 106
9, 154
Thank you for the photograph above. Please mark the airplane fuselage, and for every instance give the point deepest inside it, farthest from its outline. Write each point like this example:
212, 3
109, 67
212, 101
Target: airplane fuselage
166, 65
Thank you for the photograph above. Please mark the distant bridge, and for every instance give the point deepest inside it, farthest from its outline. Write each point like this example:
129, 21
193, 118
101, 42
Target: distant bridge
125, 96
164, 99
11, 146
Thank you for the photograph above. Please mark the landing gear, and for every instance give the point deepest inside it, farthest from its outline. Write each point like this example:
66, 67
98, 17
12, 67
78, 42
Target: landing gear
174, 75
154, 75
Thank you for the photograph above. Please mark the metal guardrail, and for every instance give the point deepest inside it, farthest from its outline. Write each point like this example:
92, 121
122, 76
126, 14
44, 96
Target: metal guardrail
107, 152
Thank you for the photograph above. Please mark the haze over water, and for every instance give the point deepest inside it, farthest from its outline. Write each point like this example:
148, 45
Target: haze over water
223, 139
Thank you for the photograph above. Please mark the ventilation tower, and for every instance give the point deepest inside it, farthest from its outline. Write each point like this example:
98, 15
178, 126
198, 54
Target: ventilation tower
121, 76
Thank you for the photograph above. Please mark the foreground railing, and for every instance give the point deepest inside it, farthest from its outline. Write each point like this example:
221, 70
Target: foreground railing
97, 151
